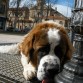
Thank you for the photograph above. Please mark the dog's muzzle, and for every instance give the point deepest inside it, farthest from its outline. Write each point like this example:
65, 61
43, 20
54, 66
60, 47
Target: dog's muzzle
49, 66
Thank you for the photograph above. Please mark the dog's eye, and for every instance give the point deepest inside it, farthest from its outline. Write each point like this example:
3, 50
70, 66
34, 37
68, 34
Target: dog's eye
45, 48
43, 51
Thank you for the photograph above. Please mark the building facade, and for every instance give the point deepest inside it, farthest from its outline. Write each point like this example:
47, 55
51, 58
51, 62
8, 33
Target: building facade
4, 5
21, 18
43, 12
18, 22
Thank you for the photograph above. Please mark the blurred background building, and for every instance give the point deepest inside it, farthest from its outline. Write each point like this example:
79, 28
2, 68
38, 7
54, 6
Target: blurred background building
4, 5
22, 17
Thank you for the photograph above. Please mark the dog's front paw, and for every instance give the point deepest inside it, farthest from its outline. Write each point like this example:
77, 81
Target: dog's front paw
29, 73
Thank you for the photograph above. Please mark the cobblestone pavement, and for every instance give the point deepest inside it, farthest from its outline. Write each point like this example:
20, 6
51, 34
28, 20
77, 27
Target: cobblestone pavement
11, 69
10, 65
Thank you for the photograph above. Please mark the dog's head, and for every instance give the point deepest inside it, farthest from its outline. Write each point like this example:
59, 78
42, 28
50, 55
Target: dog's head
47, 47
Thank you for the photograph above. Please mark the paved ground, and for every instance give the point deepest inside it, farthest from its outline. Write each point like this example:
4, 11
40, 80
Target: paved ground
10, 38
10, 65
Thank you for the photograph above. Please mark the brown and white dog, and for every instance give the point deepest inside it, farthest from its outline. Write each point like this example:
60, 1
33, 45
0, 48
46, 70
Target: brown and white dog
44, 50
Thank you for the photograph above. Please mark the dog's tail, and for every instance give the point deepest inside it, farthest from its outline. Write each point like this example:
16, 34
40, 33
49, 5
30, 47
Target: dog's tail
10, 49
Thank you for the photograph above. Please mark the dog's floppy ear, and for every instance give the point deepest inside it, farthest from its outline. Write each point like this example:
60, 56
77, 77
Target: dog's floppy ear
67, 48
26, 47
70, 48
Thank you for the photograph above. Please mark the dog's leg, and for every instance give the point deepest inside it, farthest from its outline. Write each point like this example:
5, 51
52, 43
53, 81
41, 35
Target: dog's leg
29, 70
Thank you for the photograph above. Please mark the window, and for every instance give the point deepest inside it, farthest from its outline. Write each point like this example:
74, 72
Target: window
61, 22
2, 8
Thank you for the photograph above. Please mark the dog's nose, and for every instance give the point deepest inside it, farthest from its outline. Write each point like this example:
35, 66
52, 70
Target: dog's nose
54, 70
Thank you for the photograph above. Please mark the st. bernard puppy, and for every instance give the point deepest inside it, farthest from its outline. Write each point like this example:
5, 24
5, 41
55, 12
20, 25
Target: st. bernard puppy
44, 50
